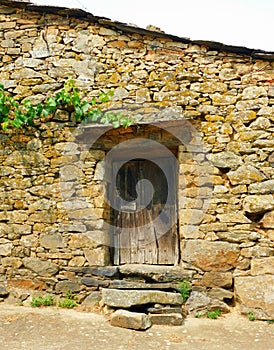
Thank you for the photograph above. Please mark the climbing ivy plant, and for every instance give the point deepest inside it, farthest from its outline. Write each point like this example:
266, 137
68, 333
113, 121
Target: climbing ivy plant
14, 113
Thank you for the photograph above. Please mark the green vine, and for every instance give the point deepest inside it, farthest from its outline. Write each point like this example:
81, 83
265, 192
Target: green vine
16, 114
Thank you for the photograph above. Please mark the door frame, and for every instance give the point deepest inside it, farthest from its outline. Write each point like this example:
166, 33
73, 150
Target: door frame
114, 236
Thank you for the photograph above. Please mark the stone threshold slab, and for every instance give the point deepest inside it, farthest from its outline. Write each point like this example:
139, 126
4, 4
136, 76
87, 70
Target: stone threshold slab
158, 273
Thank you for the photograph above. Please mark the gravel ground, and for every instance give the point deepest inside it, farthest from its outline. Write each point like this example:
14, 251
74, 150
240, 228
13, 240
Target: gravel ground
25, 328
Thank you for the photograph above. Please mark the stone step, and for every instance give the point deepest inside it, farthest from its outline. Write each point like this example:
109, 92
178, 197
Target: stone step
104, 271
127, 298
165, 310
166, 319
130, 320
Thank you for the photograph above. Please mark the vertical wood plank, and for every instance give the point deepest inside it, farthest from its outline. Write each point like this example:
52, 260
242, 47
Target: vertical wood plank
125, 243
133, 239
151, 250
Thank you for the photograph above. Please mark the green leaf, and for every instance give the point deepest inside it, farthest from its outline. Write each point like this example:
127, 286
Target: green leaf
51, 102
78, 111
116, 124
4, 109
31, 122
17, 123
5, 124
27, 103
39, 109
75, 100
46, 111
85, 106
125, 122
103, 97
95, 115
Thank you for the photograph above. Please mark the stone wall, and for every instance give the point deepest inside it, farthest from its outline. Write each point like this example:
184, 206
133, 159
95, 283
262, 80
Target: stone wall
226, 202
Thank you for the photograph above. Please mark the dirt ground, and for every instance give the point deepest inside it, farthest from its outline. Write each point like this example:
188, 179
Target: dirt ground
24, 328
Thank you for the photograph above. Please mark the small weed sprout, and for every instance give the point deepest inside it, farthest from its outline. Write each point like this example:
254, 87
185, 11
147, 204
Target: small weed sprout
68, 302
39, 301
198, 315
185, 289
213, 314
251, 316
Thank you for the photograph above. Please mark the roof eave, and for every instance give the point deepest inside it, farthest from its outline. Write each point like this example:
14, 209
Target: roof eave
86, 16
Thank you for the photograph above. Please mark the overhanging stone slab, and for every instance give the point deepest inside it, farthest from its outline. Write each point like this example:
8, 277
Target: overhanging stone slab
120, 284
158, 273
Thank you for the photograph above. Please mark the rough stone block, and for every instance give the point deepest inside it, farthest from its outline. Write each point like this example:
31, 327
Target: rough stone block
65, 286
262, 266
3, 292
131, 320
97, 256
106, 271
256, 294
20, 229
42, 268
237, 236
191, 232
77, 261
211, 256
93, 299
199, 302
94, 282
233, 218
268, 219
220, 294
4, 229
264, 187
245, 174
52, 241
256, 252
83, 214
252, 92
191, 216
89, 239
5, 249
15, 263
27, 284
258, 203
225, 160
217, 279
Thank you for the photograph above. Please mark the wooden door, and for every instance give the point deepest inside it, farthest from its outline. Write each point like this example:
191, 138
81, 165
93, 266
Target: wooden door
146, 221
